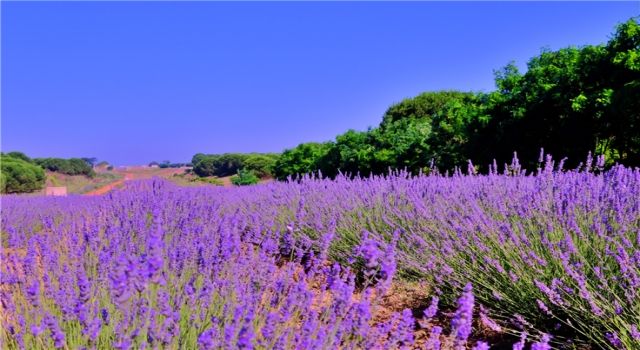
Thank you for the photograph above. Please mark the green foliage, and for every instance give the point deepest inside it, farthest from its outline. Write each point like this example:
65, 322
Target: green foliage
20, 176
19, 155
244, 178
570, 102
300, 160
433, 126
72, 166
260, 164
167, 164
218, 164
230, 163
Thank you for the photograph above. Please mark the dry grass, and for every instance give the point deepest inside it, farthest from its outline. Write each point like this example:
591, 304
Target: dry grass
80, 184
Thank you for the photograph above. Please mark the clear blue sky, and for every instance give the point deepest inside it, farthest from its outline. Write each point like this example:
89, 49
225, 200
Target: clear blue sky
135, 82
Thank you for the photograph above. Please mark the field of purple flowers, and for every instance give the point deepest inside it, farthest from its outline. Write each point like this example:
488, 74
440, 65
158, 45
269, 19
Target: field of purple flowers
543, 260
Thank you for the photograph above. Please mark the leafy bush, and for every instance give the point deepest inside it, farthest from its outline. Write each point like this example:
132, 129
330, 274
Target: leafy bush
72, 166
229, 163
19, 176
19, 155
303, 159
260, 164
244, 177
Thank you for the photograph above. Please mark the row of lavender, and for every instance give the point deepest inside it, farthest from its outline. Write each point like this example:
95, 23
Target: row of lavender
157, 266
161, 266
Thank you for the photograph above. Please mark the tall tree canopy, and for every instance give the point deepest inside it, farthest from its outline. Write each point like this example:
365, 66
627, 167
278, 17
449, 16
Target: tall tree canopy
570, 102
18, 175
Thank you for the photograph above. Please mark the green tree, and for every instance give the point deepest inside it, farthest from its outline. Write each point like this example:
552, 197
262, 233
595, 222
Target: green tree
621, 97
570, 101
260, 164
303, 159
244, 178
205, 166
19, 155
72, 166
19, 176
432, 126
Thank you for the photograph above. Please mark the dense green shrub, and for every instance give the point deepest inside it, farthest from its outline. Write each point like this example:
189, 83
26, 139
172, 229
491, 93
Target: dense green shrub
260, 164
19, 176
19, 155
244, 177
229, 163
301, 160
72, 166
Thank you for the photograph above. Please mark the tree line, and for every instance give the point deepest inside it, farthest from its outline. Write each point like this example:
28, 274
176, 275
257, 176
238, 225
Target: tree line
227, 164
570, 102
21, 174
168, 164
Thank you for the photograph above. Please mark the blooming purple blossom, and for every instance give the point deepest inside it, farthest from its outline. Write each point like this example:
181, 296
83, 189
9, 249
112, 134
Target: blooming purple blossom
635, 334
521, 343
543, 344
481, 346
462, 321
56, 333
432, 309
433, 343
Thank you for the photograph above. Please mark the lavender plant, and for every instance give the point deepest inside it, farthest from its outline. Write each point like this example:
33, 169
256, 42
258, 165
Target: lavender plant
553, 257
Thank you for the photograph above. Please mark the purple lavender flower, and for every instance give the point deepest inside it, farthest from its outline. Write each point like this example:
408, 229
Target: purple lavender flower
433, 343
269, 326
481, 346
104, 315
84, 287
33, 294
635, 334
543, 344
37, 329
614, 339
521, 343
93, 329
124, 344
206, 340
121, 280
461, 322
543, 307
405, 328
245, 337
433, 308
368, 250
56, 333
487, 321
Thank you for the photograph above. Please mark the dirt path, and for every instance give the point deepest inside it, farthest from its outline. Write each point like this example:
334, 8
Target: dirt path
106, 188
136, 173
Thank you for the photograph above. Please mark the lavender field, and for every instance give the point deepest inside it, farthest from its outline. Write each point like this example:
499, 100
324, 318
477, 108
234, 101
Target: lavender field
510, 260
